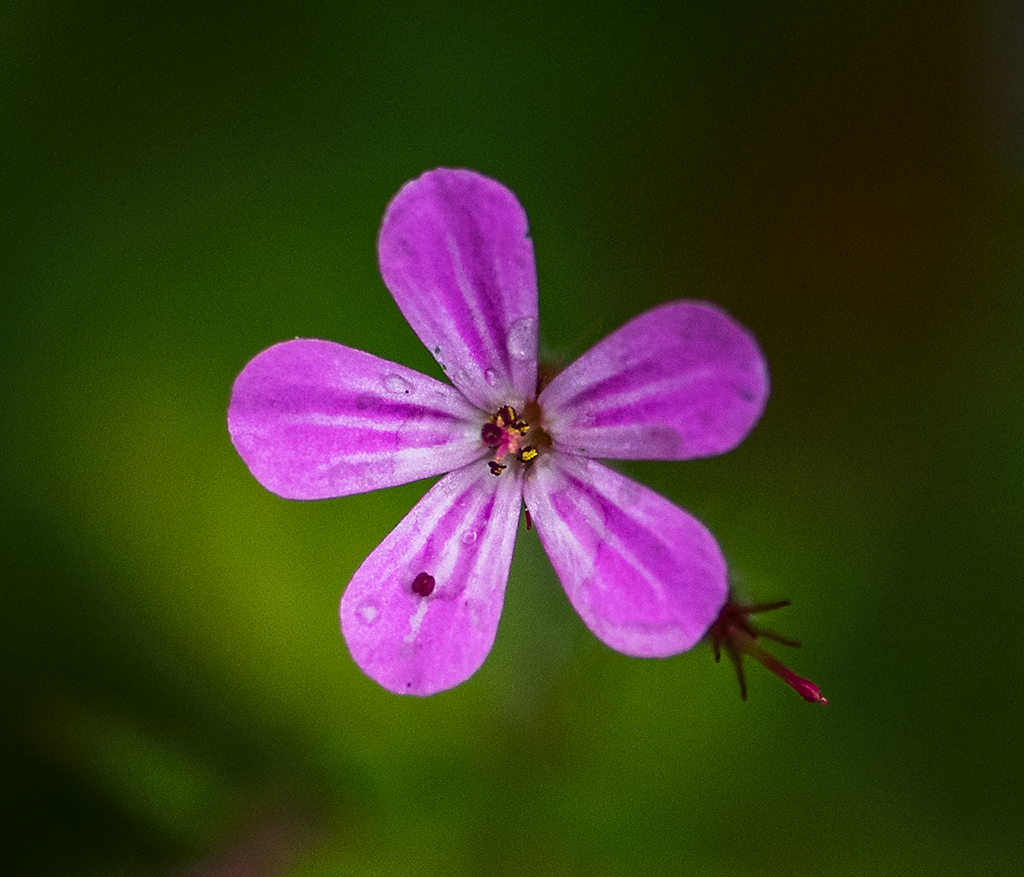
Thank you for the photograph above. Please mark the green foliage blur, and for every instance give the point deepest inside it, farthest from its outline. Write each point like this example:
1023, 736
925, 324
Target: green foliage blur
183, 185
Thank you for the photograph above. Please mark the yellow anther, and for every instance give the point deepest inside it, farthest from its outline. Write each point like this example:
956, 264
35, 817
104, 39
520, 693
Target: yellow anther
506, 416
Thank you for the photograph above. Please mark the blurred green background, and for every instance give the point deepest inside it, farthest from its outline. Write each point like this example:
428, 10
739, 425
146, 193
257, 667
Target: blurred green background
186, 184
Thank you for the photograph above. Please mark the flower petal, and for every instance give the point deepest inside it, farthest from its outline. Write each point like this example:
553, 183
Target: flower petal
679, 381
455, 253
461, 536
645, 576
314, 419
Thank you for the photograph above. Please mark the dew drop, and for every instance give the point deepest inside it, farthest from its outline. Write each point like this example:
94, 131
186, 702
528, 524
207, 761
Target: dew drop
469, 537
522, 338
368, 612
460, 377
397, 384
491, 377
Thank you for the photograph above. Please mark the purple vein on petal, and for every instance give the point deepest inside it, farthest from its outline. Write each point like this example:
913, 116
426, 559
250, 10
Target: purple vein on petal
455, 253
461, 534
645, 576
314, 419
679, 381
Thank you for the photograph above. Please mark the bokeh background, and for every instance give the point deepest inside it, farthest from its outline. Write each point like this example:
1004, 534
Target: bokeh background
186, 184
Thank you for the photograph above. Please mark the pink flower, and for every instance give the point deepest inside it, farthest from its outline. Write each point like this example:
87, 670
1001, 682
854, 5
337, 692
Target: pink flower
315, 419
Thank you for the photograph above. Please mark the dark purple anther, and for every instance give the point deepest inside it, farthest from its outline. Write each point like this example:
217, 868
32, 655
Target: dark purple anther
491, 434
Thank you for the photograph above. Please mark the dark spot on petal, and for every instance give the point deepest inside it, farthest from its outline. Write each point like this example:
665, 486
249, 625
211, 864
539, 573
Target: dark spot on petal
423, 584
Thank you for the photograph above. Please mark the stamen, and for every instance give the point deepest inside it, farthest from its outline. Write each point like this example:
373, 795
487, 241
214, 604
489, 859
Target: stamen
491, 435
496, 468
528, 453
506, 415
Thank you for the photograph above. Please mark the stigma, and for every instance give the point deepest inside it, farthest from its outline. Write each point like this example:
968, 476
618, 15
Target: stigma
514, 438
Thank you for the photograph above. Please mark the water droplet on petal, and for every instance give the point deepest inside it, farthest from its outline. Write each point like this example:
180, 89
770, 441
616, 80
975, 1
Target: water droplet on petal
460, 377
491, 377
469, 537
397, 384
522, 338
368, 612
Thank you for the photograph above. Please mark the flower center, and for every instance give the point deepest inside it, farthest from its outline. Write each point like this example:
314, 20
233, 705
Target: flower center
514, 437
